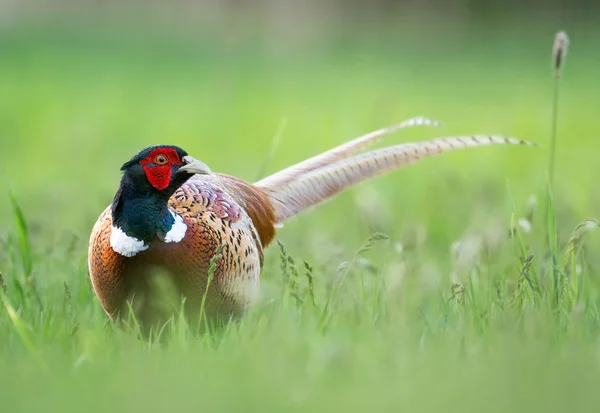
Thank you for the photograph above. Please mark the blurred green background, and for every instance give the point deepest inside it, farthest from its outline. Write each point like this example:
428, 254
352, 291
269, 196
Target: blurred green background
85, 85
81, 93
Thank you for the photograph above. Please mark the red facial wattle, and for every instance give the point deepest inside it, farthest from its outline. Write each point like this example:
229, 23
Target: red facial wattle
159, 176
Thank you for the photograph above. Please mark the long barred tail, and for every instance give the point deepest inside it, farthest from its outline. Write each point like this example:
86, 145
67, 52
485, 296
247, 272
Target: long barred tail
312, 187
338, 153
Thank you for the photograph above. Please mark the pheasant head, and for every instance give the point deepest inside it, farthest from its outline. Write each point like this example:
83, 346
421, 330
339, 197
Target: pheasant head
140, 208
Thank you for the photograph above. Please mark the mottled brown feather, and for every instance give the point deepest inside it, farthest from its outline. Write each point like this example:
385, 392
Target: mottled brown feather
258, 205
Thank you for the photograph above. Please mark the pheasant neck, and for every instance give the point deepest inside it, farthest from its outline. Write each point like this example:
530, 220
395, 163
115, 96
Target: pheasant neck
140, 216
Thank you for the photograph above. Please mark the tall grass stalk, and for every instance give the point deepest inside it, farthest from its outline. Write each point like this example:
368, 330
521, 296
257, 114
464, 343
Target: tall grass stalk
272, 149
559, 52
553, 243
344, 270
212, 268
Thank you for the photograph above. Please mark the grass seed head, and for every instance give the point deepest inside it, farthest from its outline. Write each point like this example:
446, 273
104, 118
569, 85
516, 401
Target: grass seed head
559, 51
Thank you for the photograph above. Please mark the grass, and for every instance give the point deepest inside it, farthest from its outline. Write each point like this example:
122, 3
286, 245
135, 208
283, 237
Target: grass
404, 293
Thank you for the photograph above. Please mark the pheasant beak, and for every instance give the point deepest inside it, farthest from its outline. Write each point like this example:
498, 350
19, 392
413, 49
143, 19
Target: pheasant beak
194, 166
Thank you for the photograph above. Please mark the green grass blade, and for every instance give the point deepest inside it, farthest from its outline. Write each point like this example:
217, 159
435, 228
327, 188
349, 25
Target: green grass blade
23, 235
23, 332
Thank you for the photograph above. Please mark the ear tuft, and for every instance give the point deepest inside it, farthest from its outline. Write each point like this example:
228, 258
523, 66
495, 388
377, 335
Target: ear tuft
127, 164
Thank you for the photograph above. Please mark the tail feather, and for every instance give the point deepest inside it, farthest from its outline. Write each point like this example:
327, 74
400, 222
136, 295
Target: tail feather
338, 153
316, 186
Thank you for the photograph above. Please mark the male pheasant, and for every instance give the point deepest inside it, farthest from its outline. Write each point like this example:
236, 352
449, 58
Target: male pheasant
171, 214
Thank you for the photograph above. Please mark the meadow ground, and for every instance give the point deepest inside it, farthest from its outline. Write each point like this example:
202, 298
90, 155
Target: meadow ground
444, 313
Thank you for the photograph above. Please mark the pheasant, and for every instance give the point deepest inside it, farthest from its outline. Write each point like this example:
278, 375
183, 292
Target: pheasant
171, 215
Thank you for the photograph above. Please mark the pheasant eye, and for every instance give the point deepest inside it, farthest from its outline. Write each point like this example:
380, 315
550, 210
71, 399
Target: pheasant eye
160, 159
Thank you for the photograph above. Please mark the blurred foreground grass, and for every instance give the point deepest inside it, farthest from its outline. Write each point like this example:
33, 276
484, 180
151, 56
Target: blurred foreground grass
447, 314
